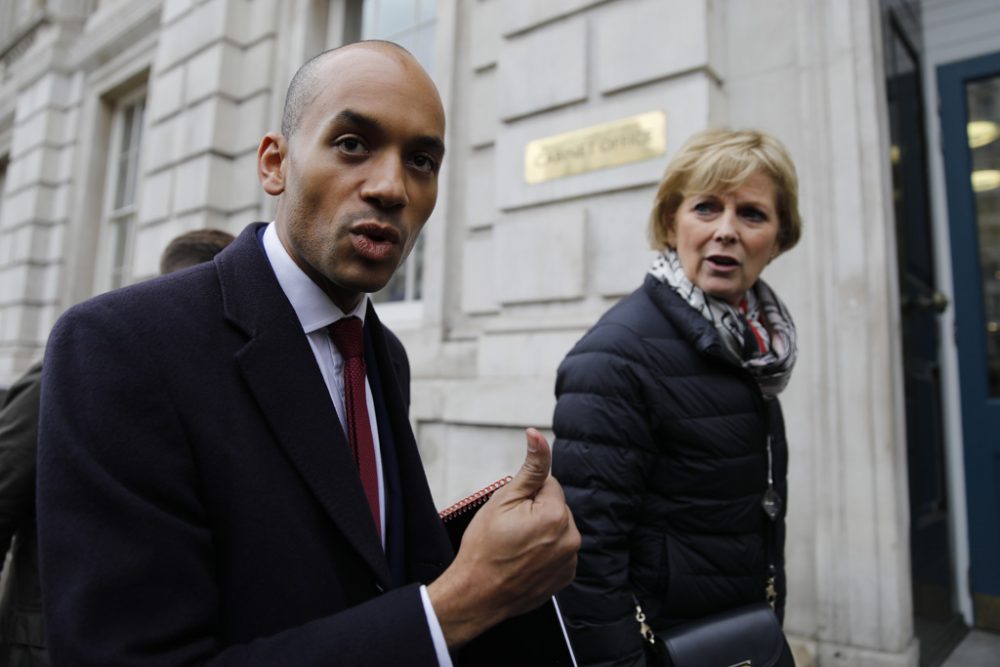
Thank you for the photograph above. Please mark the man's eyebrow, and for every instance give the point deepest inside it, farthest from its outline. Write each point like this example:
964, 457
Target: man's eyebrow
428, 142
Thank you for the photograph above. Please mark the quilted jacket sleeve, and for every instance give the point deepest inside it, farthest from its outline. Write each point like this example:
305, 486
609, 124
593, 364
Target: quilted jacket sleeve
602, 452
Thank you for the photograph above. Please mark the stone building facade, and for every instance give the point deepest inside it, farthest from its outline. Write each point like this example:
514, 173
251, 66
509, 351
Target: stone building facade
126, 122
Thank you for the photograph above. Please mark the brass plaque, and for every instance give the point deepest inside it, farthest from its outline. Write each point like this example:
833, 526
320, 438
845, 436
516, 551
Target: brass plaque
591, 148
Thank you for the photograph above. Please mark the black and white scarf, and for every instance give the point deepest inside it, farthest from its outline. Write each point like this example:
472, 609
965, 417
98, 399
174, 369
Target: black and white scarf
759, 334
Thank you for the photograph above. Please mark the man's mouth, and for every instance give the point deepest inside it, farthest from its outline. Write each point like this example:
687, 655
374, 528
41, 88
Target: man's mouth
377, 232
373, 240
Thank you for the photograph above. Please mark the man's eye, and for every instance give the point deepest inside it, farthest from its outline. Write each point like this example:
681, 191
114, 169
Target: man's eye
425, 163
351, 145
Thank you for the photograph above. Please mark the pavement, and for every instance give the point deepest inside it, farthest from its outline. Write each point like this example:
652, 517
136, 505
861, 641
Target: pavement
978, 649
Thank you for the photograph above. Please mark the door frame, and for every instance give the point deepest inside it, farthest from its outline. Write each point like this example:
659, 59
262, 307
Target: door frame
950, 389
957, 204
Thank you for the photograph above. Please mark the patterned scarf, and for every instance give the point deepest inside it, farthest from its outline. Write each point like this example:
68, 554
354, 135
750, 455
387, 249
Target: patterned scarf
759, 333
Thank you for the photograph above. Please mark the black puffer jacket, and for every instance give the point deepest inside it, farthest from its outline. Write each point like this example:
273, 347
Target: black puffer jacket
661, 448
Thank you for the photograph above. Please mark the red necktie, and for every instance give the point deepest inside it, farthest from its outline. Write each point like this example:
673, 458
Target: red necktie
348, 337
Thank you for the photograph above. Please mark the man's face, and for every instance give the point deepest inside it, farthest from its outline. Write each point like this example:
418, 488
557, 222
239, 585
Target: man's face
361, 170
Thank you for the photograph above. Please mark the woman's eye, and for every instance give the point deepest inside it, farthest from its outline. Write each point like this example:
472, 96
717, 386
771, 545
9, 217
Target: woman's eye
704, 207
754, 215
351, 145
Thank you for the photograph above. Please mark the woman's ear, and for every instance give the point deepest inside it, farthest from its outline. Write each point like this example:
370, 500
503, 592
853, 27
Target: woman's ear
271, 163
668, 230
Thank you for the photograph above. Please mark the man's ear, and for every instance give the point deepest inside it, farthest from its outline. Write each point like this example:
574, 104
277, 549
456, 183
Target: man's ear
271, 163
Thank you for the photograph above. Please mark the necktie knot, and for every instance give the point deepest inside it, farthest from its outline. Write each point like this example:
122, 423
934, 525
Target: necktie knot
348, 336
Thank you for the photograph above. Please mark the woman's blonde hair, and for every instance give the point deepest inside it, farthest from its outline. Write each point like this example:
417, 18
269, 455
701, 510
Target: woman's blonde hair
719, 161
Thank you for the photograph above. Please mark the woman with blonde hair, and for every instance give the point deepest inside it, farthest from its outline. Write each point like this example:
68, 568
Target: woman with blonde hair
670, 442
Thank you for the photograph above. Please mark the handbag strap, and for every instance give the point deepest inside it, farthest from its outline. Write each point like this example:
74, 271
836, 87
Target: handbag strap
771, 506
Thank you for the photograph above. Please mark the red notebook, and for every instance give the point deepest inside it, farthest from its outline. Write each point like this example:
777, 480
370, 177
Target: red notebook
535, 638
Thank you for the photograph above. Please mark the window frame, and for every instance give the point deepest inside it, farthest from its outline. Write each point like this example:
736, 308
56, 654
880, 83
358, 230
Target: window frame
116, 246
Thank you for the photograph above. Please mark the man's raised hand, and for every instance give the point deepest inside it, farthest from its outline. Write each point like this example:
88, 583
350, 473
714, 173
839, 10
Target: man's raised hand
518, 551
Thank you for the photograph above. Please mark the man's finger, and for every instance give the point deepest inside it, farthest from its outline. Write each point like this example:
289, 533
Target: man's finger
535, 470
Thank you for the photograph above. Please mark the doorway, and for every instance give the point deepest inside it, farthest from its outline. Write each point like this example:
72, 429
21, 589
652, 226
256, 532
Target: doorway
937, 622
970, 124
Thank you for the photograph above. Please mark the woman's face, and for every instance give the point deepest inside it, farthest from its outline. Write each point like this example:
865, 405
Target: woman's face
725, 239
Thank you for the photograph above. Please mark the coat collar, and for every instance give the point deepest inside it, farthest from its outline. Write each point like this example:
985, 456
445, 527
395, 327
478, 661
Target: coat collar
694, 328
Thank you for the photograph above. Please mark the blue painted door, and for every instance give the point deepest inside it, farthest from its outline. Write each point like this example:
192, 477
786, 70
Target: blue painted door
970, 121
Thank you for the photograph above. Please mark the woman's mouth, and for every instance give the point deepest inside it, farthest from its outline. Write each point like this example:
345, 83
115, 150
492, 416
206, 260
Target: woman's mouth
723, 263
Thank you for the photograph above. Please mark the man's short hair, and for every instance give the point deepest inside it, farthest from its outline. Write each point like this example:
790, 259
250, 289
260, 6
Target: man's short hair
192, 248
302, 88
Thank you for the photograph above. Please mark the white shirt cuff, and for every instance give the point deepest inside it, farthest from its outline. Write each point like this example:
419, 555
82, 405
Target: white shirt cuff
437, 636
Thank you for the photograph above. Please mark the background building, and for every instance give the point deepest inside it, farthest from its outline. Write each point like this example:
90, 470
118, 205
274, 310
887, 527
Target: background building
126, 122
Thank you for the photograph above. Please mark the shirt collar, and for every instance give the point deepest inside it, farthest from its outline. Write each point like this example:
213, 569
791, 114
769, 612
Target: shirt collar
312, 306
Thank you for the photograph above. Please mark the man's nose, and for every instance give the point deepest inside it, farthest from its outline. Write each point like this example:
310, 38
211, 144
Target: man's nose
386, 184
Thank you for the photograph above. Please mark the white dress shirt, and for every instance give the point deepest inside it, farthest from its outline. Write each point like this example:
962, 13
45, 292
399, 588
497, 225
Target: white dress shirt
316, 312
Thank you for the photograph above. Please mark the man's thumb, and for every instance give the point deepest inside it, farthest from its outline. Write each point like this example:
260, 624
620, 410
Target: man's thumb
533, 473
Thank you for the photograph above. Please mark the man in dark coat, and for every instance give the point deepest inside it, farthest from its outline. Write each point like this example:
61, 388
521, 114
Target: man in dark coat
199, 502
22, 627
22, 633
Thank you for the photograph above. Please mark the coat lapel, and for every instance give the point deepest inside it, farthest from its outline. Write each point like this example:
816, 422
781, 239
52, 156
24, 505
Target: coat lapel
281, 372
428, 550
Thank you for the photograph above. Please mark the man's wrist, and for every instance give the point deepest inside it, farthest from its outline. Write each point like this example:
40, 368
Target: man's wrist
460, 613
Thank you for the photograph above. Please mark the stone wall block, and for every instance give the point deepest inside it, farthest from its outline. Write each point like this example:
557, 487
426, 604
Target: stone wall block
252, 70
486, 38
191, 185
244, 188
163, 143
480, 189
191, 33
200, 125
33, 204
618, 252
204, 73
59, 202
247, 123
30, 133
637, 42
150, 240
519, 15
518, 355
478, 285
172, 9
65, 170
481, 108
14, 244
544, 69
758, 22
247, 21
540, 255
156, 196
166, 94
51, 91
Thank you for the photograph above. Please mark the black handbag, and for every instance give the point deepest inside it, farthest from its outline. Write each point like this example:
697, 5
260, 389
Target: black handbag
747, 636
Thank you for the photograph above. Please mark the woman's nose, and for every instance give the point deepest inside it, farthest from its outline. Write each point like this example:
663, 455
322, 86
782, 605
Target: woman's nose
725, 231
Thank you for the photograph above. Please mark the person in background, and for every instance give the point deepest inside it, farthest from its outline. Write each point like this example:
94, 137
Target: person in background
670, 442
22, 627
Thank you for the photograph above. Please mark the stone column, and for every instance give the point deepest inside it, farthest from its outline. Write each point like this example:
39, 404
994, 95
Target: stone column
39, 181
